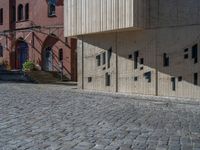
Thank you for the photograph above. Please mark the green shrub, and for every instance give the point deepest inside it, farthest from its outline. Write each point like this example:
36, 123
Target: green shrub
28, 66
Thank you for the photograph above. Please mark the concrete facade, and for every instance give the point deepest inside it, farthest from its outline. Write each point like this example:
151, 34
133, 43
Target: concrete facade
160, 57
94, 16
40, 31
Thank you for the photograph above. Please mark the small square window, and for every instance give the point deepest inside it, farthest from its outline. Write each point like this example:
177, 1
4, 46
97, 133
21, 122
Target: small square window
147, 76
135, 78
186, 56
130, 56
89, 79
141, 68
186, 50
180, 78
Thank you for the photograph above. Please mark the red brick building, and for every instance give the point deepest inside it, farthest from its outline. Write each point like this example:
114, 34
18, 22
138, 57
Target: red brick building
33, 30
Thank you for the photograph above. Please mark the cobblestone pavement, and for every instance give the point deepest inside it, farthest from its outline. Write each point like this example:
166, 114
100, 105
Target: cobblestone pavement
50, 117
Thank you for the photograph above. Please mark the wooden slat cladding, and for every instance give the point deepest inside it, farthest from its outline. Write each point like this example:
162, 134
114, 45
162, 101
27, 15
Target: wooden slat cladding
93, 16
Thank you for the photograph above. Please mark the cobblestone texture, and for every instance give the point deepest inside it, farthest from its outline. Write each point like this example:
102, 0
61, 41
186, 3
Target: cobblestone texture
50, 117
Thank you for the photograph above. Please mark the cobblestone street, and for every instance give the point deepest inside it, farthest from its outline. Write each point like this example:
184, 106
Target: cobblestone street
51, 117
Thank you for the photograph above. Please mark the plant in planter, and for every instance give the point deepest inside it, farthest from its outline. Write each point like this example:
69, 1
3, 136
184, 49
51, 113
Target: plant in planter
28, 66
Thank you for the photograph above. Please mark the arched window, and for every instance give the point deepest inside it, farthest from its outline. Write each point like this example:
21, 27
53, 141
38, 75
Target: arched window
1, 16
1, 50
27, 11
13, 13
20, 12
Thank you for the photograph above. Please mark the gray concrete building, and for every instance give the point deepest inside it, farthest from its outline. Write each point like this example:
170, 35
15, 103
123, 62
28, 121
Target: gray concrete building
137, 46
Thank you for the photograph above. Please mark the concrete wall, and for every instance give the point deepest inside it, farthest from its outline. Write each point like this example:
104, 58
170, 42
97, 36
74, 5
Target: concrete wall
151, 45
172, 27
38, 40
92, 16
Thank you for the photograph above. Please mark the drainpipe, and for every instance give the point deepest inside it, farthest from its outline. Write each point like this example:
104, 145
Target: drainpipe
156, 47
82, 62
116, 47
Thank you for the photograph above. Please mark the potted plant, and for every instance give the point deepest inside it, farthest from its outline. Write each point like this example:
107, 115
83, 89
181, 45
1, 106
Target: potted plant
28, 66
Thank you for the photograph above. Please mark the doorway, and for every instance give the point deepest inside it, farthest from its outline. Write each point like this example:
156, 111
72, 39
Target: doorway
21, 54
48, 59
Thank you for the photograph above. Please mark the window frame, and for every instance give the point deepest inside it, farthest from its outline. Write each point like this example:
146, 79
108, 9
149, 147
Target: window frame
20, 12
50, 14
14, 14
196, 78
1, 50
1, 16
60, 54
27, 11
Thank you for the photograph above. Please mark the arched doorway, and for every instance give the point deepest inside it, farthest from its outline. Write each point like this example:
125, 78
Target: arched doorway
48, 53
48, 59
21, 54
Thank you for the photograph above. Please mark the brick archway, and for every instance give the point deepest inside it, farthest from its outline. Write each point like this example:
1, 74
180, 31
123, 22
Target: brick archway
47, 52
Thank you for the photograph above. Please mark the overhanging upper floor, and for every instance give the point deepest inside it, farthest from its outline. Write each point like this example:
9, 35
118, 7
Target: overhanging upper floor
93, 16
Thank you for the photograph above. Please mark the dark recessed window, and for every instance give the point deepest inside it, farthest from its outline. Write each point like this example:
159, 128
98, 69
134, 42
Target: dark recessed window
1, 50
107, 77
20, 12
60, 55
186, 50
130, 56
13, 13
147, 76
173, 80
104, 58
186, 56
51, 9
195, 78
98, 59
1, 16
180, 78
89, 79
136, 55
141, 61
165, 60
109, 55
195, 53
27, 11
135, 78
141, 68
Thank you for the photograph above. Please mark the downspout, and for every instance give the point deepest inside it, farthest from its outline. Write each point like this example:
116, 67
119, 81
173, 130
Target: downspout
156, 47
82, 62
116, 47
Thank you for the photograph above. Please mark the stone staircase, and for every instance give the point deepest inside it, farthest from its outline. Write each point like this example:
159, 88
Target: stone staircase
13, 76
43, 77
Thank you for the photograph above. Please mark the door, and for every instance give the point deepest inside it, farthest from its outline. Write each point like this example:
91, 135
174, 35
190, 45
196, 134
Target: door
21, 54
48, 59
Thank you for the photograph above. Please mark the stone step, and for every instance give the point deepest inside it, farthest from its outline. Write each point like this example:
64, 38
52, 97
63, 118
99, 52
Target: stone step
14, 76
44, 77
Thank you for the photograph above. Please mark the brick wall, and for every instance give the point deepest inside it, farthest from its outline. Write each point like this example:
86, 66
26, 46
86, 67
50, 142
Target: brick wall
39, 39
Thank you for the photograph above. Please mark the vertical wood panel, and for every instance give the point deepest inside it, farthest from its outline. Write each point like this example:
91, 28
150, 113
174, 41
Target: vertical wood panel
91, 16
